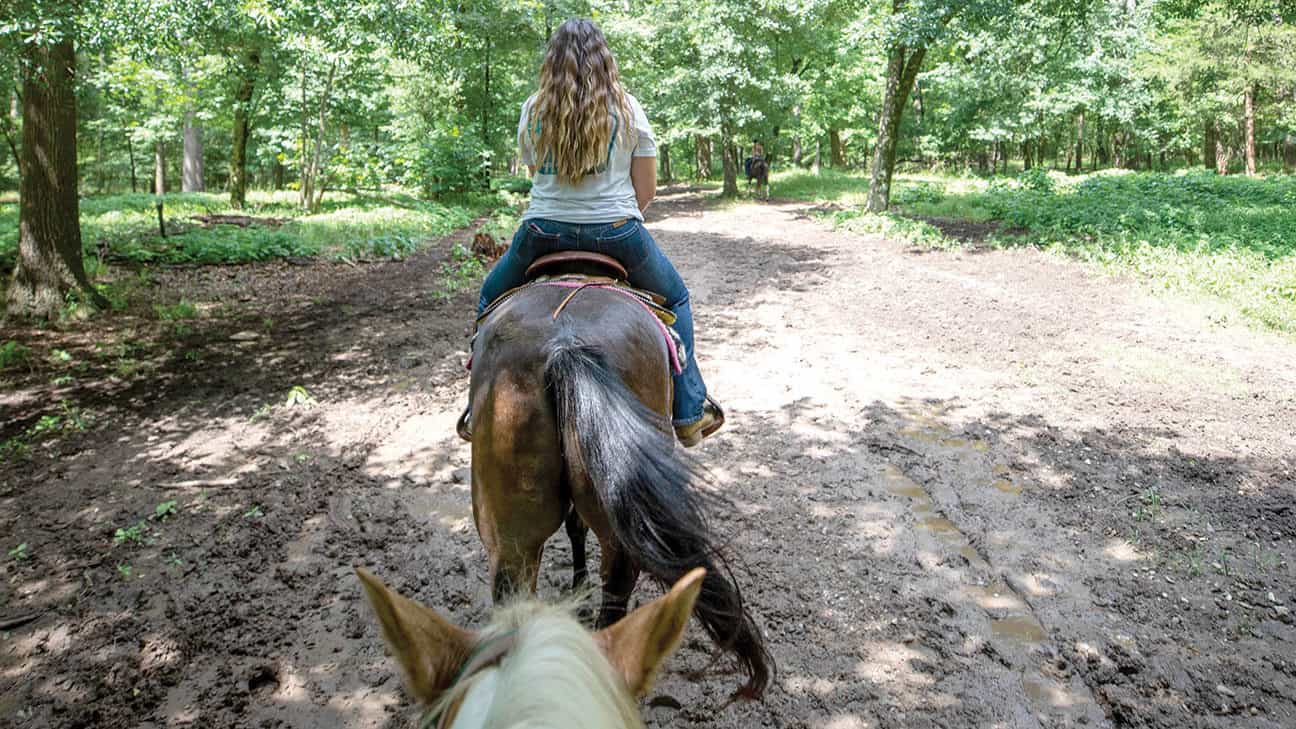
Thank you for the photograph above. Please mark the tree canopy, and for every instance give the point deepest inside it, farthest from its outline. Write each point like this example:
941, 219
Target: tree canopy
318, 96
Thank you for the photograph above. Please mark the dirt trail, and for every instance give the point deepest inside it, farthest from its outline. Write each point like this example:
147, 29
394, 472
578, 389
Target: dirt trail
973, 489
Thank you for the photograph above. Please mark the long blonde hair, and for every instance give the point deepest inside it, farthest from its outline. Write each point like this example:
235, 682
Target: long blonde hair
570, 121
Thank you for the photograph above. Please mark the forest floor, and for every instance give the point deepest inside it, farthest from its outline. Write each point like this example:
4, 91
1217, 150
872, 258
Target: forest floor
971, 488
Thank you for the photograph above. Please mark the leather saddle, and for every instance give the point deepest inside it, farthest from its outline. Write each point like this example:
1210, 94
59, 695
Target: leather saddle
586, 263
578, 270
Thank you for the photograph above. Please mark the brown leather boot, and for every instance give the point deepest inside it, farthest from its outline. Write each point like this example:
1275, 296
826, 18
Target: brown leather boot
712, 418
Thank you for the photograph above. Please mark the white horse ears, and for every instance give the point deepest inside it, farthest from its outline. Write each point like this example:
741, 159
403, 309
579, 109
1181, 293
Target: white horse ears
429, 648
638, 644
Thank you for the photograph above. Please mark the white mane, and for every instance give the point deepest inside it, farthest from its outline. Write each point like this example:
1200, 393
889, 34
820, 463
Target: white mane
555, 677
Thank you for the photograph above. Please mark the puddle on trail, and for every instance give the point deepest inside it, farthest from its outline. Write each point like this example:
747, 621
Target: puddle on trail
922, 506
1006, 486
940, 526
973, 557
1012, 625
996, 597
1020, 629
938, 435
450, 506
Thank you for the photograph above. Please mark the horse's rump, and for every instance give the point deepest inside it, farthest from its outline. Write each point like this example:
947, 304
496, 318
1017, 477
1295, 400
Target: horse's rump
574, 412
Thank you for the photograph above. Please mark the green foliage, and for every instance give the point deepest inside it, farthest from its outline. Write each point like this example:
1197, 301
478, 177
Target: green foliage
177, 311
298, 397
69, 419
20, 553
351, 226
1198, 212
14, 450
1231, 238
13, 355
1036, 179
888, 225
135, 534
165, 510
502, 224
395, 246
463, 271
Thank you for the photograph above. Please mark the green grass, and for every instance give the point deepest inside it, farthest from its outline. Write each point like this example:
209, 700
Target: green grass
13, 355
1230, 238
348, 226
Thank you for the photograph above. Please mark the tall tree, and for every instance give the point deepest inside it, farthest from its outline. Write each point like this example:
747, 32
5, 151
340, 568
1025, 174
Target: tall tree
914, 25
49, 261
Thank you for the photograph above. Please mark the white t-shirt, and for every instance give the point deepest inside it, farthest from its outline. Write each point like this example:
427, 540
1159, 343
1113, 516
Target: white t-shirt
602, 197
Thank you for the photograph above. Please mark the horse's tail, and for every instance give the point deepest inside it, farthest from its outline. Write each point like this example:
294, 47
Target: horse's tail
646, 487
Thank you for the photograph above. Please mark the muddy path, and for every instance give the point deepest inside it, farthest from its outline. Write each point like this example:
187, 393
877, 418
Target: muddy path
971, 489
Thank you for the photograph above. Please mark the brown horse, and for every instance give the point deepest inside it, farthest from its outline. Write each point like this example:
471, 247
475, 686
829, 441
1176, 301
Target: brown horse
759, 171
570, 425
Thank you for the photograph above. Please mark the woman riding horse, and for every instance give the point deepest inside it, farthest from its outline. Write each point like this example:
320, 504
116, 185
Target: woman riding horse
576, 385
593, 161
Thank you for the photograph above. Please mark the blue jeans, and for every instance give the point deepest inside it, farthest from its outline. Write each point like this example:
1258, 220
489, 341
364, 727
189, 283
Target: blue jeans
647, 266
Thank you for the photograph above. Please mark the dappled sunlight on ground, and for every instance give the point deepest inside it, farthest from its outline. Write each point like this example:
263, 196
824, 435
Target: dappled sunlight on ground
950, 501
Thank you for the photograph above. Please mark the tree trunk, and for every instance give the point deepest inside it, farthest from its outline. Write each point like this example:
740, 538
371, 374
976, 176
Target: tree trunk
818, 158
729, 156
1208, 144
902, 70
303, 164
486, 97
192, 173
796, 151
130, 152
703, 150
159, 168
1222, 153
317, 166
49, 230
1289, 152
242, 128
1248, 113
11, 131
1079, 150
836, 151
101, 172
666, 175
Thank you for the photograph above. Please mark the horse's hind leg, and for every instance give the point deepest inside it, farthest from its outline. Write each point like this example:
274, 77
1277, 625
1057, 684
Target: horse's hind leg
619, 577
517, 494
577, 532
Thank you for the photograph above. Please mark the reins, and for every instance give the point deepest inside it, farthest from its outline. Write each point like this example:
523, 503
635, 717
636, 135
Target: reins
485, 655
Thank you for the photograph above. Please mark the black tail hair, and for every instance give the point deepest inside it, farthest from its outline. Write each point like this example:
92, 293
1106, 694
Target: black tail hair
647, 488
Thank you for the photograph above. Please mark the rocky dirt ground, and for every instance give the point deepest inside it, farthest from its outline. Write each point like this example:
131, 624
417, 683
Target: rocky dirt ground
970, 489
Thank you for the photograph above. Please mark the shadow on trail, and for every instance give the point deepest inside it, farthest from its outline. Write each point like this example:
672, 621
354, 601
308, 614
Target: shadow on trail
881, 545
237, 604
240, 608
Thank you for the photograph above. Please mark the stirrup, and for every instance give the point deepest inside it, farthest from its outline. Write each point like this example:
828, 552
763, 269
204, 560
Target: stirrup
713, 417
463, 427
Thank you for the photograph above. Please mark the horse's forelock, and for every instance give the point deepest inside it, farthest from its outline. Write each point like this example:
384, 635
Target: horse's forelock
555, 675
